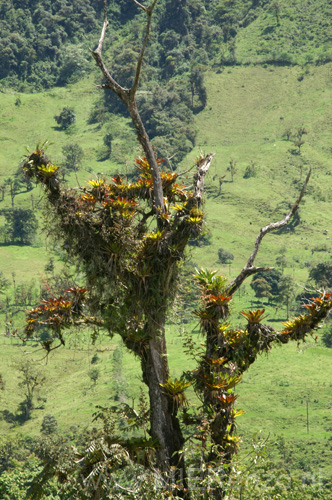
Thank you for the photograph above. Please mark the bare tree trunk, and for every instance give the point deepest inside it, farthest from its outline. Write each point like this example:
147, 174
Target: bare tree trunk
165, 427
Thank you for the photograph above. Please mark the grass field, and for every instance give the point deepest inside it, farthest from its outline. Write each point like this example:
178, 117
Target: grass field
249, 109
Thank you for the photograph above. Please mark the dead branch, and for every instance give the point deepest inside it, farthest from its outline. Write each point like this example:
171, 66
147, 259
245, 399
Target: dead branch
249, 268
97, 55
203, 167
148, 11
128, 97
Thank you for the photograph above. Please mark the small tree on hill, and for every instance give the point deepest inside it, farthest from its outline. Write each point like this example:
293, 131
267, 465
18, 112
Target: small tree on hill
73, 154
287, 288
321, 274
266, 284
66, 118
224, 256
108, 140
49, 425
21, 225
32, 379
327, 336
275, 6
232, 168
94, 375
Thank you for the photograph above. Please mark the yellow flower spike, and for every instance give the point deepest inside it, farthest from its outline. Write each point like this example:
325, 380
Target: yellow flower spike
98, 183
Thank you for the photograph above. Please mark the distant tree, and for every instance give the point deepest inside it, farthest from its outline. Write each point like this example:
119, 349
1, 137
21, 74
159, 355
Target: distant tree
4, 283
49, 425
119, 382
232, 50
288, 133
232, 168
14, 187
66, 118
321, 274
124, 64
95, 358
298, 138
275, 6
32, 379
327, 336
21, 225
198, 89
22, 180
281, 261
94, 374
2, 383
49, 267
108, 140
3, 189
262, 288
250, 171
286, 288
73, 154
266, 284
224, 256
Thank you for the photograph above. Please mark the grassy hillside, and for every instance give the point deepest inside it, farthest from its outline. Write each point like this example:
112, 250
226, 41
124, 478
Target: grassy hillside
249, 109
293, 32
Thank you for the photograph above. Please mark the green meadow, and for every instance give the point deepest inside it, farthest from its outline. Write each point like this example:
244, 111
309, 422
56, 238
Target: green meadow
249, 110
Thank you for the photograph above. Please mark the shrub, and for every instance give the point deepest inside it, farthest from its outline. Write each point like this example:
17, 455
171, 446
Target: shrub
224, 256
66, 118
327, 337
95, 358
94, 375
49, 425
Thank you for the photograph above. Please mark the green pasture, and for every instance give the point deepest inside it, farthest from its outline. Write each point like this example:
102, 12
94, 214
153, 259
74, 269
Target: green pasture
249, 109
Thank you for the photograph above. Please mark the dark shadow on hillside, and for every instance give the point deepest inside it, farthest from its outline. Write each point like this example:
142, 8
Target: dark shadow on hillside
8, 417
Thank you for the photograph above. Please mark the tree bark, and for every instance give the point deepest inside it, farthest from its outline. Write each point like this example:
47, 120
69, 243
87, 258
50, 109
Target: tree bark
164, 424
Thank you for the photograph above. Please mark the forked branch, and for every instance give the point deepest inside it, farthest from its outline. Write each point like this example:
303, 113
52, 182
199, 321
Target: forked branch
97, 55
203, 167
128, 97
149, 11
249, 268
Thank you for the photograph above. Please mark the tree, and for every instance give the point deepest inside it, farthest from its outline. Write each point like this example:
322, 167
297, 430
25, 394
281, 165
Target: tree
135, 236
327, 337
266, 284
66, 118
281, 261
73, 154
321, 274
21, 179
31, 381
250, 171
21, 225
198, 88
14, 187
94, 375
49, 425
4, 283
108, 139
275, 6
298, 139
232, 168
287, 289
224, 256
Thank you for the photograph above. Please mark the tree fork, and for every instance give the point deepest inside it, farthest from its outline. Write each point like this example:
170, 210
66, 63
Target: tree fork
128, 97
